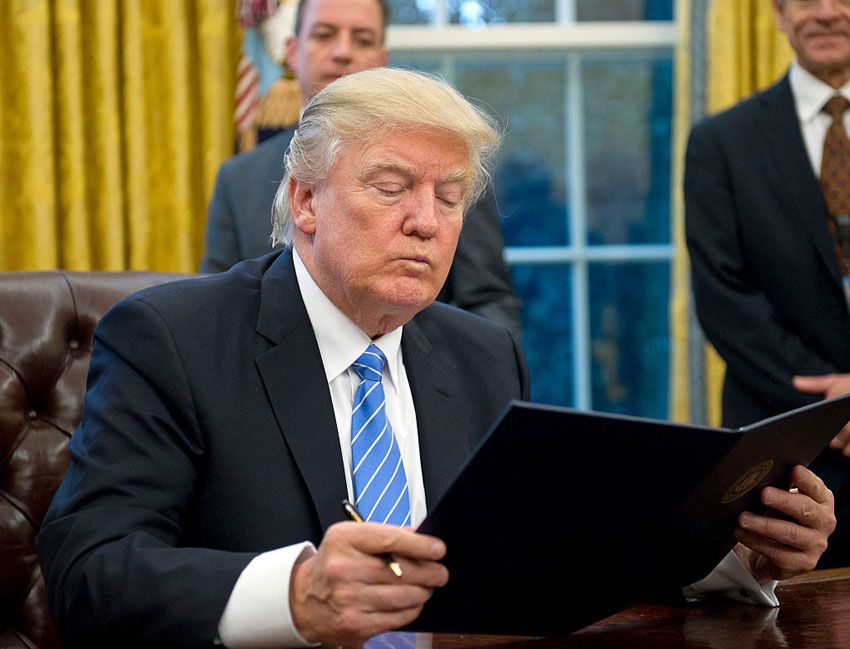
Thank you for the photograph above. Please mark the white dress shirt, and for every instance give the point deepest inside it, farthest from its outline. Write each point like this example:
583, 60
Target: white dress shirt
810, 95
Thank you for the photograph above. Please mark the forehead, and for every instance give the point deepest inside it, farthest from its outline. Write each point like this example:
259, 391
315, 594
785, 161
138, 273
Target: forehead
362, 14
423, 151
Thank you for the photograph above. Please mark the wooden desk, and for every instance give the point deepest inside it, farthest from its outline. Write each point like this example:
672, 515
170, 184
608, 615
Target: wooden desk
814, 614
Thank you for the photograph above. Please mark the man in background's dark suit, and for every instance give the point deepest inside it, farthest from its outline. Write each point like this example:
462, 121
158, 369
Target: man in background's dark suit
239, 216
766, 276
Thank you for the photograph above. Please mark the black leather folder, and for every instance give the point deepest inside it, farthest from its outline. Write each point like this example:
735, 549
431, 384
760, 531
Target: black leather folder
562, 517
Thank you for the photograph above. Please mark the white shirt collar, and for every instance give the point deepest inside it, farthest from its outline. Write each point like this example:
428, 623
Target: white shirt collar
810, 93
340, 340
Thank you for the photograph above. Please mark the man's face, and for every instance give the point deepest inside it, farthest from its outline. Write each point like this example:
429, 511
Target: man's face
379, 234
819, 32
337, 37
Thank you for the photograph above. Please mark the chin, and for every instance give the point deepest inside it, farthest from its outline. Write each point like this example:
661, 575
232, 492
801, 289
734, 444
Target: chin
411, 296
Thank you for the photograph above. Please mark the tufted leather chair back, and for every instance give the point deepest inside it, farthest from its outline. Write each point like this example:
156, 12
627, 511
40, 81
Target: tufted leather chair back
47, 321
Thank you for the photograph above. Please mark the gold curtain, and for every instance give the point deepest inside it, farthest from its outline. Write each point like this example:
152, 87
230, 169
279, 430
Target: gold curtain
745, 52
114, 117
680, 406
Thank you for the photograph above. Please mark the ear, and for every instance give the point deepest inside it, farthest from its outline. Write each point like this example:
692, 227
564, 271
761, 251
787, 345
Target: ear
290, 50
302, 199
779, 14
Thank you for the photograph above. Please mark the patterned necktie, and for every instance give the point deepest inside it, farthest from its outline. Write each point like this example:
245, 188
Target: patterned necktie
835, 176
380, 484
835, 165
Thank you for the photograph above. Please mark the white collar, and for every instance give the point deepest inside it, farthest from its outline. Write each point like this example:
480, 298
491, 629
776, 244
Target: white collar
340, 340
810, 93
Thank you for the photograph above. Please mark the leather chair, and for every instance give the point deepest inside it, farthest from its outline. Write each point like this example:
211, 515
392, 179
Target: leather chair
47, 322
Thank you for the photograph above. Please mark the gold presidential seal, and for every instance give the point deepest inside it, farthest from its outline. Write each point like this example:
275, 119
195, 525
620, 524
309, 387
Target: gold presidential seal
747, 481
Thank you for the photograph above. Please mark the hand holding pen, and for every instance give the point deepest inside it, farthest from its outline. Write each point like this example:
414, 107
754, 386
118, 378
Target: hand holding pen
345, 592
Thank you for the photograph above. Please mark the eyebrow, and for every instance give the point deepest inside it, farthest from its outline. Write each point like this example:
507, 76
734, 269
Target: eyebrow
457, 175
356, 30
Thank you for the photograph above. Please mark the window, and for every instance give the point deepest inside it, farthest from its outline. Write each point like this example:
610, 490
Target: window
584, 88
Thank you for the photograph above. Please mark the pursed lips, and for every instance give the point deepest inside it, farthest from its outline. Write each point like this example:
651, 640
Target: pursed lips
416, 259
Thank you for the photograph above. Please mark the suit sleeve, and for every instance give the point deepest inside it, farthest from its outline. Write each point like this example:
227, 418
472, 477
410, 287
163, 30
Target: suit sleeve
733, 308
221, 246
111, 548
479, 280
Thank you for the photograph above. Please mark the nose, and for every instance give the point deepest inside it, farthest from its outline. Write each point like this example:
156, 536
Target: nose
828, 9
342, 48
421, 216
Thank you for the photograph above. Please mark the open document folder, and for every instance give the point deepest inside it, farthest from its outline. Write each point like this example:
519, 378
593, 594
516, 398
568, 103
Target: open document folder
561, 517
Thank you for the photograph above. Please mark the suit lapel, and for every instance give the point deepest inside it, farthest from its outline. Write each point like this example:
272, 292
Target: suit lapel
444, 444
298, 390
781, 129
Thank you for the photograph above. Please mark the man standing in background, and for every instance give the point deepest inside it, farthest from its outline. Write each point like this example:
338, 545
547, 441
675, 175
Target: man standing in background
766, 195
333, 38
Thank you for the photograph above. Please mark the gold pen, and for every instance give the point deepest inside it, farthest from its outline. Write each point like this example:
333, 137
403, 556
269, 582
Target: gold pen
352, 513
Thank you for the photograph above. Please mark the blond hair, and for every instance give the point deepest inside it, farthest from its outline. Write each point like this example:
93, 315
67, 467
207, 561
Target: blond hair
364, 106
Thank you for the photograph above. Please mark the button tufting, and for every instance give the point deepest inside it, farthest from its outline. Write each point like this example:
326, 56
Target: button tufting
32, 414
74, 344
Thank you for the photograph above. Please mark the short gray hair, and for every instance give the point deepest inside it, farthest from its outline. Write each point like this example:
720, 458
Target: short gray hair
364, 106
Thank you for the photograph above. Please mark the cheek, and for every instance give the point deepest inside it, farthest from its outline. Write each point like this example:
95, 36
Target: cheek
454, 227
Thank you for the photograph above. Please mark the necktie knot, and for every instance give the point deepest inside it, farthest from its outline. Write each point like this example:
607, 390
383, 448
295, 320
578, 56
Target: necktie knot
836, 107
370, 364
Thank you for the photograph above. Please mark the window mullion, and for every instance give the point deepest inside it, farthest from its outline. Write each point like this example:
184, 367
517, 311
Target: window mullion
574, 131
565, 12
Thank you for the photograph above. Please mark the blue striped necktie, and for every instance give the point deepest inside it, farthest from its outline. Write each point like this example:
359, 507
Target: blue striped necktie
380, 483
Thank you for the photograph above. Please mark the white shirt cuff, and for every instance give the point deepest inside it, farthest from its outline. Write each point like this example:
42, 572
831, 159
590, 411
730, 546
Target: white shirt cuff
731, 579
257, 615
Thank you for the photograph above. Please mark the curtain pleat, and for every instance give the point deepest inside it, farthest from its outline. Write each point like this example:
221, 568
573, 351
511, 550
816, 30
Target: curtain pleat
27, 152
114, 116
680, 396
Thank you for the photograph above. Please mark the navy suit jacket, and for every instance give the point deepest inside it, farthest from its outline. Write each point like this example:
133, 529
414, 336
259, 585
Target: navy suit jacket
208, 436
239, 227
765, 274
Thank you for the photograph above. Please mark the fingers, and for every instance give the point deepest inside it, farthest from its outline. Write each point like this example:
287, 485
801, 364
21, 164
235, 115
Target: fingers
791, 544
346, 593
813, 384
376, 539
841, 442
781, 548
828, 385
360, 551
809, 484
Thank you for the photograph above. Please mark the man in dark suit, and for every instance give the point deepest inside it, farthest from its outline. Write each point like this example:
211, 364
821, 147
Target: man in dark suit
767, 278
218, 438
333, 38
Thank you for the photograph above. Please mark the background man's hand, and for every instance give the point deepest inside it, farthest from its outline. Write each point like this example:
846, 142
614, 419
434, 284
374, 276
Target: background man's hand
829, 386
346, 593
778, 548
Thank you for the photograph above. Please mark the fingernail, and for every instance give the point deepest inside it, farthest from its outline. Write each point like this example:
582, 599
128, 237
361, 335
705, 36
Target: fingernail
746, 520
